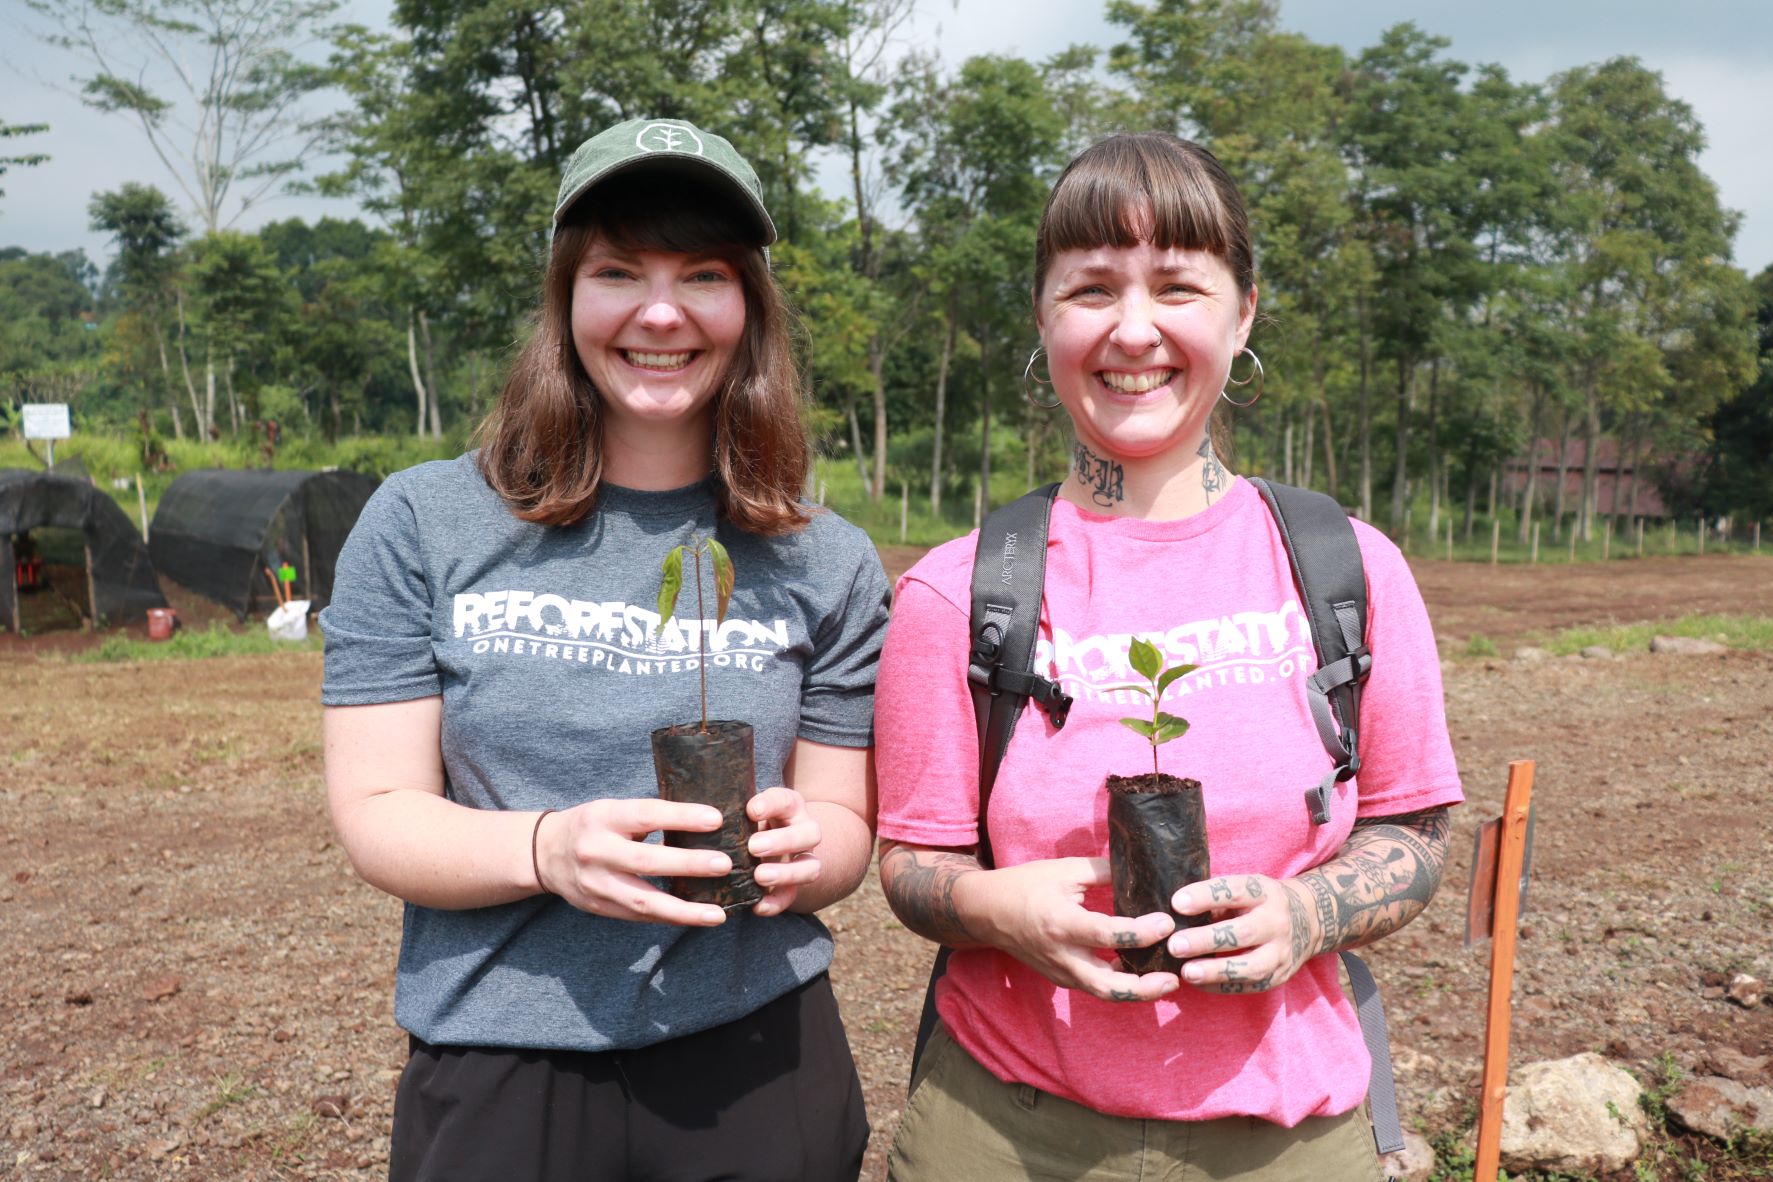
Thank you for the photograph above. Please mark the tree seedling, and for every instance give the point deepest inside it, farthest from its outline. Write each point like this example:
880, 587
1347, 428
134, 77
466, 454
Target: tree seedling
1161, 727
671, 582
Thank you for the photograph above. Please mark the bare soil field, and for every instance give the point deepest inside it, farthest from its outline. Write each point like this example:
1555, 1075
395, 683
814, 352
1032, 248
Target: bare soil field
201, 988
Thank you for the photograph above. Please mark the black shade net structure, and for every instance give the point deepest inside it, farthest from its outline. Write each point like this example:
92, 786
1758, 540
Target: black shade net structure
120, 578
217, 530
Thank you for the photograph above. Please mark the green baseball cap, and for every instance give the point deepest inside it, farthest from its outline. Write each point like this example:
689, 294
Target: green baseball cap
668, 146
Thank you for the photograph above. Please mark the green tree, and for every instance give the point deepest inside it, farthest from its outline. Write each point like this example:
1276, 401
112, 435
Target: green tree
142, 223
29, 159
234, 127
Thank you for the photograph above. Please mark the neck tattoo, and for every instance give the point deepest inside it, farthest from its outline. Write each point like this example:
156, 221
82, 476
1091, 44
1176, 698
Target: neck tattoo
1104, 478
1213, 476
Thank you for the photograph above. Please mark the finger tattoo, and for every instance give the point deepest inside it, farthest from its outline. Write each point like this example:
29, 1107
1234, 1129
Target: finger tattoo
1221, 890
1253, 885
1223, 939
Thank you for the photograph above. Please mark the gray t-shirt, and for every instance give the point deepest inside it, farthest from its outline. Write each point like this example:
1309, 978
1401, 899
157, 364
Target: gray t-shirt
542, 641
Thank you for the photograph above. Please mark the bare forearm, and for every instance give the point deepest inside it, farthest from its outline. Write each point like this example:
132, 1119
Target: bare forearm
434, 852
921, 887
1380, 880
846, 845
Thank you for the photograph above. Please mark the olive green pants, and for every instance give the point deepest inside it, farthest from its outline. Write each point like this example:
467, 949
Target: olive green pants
962, 1123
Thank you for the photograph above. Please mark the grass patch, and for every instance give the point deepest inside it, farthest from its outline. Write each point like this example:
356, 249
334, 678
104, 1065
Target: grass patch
218, 640
1741, 632
1480, 646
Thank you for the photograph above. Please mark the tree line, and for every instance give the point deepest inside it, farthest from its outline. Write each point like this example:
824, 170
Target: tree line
1454, 264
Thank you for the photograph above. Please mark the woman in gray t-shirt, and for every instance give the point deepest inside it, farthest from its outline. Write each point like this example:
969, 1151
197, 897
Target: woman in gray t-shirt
495, 664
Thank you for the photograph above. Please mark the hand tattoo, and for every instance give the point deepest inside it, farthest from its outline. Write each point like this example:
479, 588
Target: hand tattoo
1221, 890
1213, 476
919, 886
1223, 939
1104, 478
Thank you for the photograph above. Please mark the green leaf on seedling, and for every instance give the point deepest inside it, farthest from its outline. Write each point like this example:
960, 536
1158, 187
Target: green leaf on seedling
670, 583
1138, 725
1145, 659
1170, 675
723, 579
1170, 727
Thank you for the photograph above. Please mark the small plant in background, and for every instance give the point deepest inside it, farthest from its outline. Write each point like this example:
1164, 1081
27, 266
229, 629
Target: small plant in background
671, 583
1160, 728
1480, 646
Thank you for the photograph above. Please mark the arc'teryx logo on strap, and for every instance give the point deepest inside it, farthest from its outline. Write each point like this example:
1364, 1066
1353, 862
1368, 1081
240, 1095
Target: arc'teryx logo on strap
668, 137
1009, 557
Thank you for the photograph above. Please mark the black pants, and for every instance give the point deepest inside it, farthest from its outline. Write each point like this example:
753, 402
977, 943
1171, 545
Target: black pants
772, 1097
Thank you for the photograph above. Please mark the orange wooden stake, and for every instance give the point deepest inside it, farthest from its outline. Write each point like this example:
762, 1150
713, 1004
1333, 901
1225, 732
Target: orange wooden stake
1517, 806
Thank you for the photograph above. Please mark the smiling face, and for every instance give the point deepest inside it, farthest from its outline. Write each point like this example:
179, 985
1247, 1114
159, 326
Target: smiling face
1139, 341
656, 332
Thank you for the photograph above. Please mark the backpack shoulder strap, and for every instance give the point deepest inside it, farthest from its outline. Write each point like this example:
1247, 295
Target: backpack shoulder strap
1326, 562
1009, 573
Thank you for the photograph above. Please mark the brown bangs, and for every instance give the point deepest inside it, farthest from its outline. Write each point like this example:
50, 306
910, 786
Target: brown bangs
1147, 186
542, 445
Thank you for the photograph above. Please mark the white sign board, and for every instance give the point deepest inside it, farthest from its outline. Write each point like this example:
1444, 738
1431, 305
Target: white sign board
46, 420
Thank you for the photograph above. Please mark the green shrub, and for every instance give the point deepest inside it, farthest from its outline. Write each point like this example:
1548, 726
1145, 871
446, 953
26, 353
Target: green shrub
218, 640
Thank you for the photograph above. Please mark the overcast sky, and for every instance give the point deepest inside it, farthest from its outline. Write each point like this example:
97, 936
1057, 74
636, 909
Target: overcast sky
1713, 54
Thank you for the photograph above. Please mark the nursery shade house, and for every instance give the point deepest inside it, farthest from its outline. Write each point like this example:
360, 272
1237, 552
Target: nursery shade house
120, 583
217, 530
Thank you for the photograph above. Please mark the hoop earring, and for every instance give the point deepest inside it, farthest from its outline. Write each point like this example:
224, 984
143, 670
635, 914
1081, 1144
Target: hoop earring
1030, 379
1255, 376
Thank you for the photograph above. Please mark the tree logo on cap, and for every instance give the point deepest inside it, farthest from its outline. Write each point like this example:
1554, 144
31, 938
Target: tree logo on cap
668, 137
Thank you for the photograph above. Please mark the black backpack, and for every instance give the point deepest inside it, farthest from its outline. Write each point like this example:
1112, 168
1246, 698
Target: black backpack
1009, 575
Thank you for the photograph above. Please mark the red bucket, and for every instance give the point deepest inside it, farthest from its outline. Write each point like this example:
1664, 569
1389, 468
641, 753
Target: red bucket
160, 623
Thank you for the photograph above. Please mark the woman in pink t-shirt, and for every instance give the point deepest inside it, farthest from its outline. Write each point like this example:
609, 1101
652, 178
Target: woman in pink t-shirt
1050, 1060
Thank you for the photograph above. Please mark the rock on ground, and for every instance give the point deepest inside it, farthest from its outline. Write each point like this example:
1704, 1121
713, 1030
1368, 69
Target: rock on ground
1413, 1163
1722, 1108
1577, 1116
1691, 646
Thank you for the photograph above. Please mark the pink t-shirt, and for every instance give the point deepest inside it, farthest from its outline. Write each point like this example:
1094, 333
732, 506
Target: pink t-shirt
1215, 590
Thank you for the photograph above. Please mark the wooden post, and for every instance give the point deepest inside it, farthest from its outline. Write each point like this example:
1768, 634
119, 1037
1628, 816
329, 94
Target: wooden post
141, 500
1673, 536
1573, 532
1495, 538
91, 591
904, 511
1516, 806
1607, 541
1702, 535
1449, 537
1535, 558
1757, 537
1640, 537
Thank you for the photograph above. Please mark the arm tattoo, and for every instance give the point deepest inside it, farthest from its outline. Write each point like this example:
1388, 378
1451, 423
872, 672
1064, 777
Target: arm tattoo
919, 886
1105, 479
1213, 476
1381, 879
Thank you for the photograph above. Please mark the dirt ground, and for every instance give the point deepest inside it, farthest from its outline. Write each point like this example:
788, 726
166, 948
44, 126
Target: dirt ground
202, 989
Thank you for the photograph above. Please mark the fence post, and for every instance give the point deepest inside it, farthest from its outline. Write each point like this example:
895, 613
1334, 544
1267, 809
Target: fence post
1757, 536
1607, 540
1449, 537
1702, 535
904, 511
1535, 558
1495, 538
1640, 537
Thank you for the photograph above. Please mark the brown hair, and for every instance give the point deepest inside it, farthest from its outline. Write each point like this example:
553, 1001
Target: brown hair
1146, 185
542, 444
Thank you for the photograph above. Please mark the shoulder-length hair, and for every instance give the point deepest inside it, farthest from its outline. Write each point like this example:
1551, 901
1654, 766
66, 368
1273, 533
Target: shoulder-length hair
542, 444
